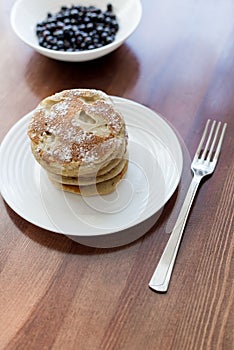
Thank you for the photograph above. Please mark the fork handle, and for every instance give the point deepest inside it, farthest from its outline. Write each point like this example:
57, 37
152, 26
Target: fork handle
161, 277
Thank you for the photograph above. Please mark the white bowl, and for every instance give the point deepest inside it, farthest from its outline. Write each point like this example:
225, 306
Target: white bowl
26, 14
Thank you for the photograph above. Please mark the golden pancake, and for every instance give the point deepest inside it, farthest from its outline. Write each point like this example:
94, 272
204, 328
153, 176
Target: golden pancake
77, 129
85, 181
102, 188
80, 139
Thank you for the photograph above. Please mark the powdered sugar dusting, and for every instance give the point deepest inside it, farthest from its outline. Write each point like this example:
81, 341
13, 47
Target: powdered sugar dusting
63, 153
59, 109
61, 136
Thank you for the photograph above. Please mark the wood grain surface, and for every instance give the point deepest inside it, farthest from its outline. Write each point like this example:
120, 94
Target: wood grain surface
57, 294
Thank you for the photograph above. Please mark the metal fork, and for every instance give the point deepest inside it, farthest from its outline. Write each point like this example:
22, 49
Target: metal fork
203, 164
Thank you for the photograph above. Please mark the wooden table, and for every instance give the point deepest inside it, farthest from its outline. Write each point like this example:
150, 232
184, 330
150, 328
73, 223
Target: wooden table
57, 294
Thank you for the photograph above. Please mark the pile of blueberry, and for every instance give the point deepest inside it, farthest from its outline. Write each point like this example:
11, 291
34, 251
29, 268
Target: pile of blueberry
78, 28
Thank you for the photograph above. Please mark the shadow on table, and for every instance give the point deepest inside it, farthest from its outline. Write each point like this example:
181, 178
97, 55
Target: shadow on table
114, 73
60, 242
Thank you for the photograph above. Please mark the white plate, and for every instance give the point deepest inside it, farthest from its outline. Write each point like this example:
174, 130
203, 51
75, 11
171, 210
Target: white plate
25, 14
155, 166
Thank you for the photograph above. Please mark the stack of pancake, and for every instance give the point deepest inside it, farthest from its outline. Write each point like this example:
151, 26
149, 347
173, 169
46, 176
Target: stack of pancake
80, 139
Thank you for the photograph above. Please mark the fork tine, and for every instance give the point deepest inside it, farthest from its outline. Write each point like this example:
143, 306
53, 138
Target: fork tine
208, 141
202, 140
213, 143
220, 143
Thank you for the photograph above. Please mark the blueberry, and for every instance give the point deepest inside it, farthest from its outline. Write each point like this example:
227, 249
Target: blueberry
83, 34
41, 41
51, 26
73, 21
78, 41
81, 27
100, 17
39, 30
45, 33
93, 17
77, 28
109, 8
99, 45
86, 19
59, 34
114, 24
88, 40
104, 35
60, 44
74, 12
67, 28
49, 38
99, 28
66, 20
109, 39
73, 40
89, 26
91, 8
108, 20
83, 46
93, 33
60, 25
